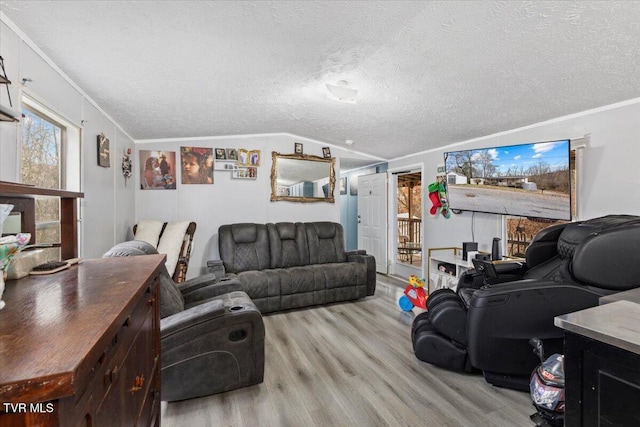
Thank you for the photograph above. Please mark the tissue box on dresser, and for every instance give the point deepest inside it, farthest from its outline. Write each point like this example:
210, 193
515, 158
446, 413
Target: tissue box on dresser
23, 262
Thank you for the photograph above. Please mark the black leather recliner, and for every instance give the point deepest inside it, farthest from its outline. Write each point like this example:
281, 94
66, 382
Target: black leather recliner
486, 325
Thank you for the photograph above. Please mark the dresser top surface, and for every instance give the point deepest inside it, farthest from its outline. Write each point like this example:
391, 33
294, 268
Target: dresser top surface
51, 324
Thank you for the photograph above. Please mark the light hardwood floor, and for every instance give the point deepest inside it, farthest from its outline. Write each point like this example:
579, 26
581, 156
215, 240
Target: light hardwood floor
352, 364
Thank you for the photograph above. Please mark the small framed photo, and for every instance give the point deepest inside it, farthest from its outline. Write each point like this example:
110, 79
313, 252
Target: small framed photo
326, 152
104, 158
343, 185
298, 148
244, 173
232, 154
353, 185
254, 157
221, 154
243, 157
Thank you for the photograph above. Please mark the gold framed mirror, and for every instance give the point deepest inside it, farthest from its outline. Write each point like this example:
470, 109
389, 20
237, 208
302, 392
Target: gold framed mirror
302, 178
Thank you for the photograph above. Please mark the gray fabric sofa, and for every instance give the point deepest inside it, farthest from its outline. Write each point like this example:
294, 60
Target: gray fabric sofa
211, 333
291, 265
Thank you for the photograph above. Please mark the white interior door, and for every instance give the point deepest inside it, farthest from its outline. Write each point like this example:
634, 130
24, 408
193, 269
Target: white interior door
372, 217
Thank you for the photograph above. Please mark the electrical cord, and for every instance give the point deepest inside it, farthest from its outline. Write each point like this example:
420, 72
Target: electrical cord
473, 233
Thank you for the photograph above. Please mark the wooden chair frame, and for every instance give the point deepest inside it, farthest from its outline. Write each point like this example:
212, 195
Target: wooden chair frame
180, 273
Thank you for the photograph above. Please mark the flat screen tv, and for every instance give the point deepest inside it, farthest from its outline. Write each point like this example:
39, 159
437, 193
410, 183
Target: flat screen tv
530, 180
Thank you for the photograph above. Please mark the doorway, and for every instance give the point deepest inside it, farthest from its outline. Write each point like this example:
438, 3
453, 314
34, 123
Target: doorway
409, 220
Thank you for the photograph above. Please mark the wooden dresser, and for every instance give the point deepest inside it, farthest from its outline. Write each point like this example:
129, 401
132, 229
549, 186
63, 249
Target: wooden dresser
81, 347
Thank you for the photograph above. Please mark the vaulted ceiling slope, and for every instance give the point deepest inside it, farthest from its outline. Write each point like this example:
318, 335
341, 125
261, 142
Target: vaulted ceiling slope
428, 73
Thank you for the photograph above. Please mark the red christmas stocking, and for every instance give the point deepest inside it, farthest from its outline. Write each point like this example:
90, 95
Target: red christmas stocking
435, 199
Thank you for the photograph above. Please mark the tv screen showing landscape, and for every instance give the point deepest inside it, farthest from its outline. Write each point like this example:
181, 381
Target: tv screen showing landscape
530, 180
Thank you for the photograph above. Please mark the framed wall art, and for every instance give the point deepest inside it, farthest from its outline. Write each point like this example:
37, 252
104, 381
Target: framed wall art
254, 157
221, 154
232, 154
157, 170
243, 157
197, 165
343, 185
248, 158
104, 158
244, 173
353, 185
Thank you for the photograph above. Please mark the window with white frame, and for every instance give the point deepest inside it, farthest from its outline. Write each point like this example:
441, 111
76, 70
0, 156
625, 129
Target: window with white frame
50, 158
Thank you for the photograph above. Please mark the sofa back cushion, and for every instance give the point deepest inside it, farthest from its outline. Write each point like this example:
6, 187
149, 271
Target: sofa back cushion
244, 247
326, 242
288, 244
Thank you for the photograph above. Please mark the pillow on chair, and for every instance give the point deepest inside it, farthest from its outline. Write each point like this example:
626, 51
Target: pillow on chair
148, 230
171, 300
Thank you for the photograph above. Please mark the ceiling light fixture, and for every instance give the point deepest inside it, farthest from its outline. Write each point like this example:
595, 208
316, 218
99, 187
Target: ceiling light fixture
341, 92
348, 141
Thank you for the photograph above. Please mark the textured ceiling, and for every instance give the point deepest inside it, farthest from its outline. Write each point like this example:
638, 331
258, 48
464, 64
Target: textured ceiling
428, 73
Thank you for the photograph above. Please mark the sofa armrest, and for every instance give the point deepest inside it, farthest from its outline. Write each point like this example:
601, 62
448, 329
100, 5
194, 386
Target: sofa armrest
179, 322
357, 252
370, 262
508, 271
509, 267
210, 289
196, 283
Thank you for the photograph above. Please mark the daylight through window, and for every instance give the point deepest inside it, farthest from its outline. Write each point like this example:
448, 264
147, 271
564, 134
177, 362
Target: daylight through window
49, 144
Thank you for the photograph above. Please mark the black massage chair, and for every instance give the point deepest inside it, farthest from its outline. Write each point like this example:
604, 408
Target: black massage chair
487, 323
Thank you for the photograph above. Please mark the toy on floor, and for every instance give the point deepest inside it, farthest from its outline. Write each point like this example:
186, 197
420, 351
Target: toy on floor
414, 295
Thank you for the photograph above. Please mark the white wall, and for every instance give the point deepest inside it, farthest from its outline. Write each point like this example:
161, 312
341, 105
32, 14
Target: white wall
609, 175
108, 207
229, 200
10, 51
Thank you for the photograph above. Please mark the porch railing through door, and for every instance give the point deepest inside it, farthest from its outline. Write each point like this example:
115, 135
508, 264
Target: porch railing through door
410, 240
411, 229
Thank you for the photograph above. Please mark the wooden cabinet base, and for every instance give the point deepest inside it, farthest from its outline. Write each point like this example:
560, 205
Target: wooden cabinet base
98, 361
603, 383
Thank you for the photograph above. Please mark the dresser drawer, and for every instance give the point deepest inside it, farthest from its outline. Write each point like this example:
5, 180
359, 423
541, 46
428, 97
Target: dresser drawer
152, 398
108, 368
139, 371
130, 374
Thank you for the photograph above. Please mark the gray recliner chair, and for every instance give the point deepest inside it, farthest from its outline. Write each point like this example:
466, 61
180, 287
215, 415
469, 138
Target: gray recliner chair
211, 333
